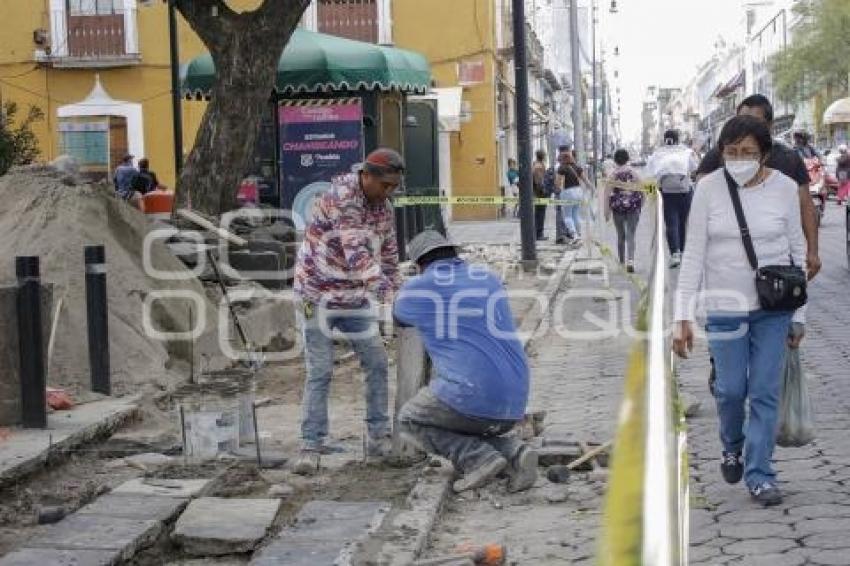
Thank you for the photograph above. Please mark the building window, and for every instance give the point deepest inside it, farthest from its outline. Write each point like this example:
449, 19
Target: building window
352, 19
95, 7
96, 28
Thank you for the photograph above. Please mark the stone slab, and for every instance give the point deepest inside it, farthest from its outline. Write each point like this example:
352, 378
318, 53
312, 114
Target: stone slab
325, 532
182, 489
53, 557
141, 507
27, 450
213, 526
92, 532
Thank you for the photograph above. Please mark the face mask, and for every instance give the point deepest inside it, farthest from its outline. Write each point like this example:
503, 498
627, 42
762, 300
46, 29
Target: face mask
743, 170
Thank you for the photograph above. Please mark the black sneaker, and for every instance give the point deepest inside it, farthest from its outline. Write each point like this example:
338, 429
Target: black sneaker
731, 467
767, 494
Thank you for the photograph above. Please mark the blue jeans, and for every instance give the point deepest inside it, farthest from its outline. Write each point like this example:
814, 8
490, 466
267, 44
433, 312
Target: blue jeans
572, 209
361, 329
749, 354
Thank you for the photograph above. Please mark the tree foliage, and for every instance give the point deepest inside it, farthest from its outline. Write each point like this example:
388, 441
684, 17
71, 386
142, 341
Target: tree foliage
245, 48
818, 58
18, 144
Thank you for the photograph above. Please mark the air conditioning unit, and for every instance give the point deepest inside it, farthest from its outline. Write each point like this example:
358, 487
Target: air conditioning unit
40, 37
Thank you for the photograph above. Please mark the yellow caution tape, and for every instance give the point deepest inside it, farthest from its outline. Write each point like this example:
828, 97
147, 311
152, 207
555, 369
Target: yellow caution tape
498, 201
647, 186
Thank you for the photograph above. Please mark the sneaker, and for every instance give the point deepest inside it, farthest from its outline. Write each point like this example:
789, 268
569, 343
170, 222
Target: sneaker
675, 260
630, 266
767, 494
480, 475
523, 470
731, 467
379, 447
307, 463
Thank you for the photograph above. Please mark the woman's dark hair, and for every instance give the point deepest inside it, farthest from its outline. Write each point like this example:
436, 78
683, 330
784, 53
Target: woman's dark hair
671, 137
448, 252
621, 157
739, 127
758, 101
540, 155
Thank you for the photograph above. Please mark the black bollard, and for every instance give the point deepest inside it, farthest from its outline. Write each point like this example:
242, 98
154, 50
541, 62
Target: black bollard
98, 313
31, 343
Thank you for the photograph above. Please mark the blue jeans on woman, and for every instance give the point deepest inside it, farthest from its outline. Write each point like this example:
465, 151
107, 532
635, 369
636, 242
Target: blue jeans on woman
572, 202
749, 354
360, 327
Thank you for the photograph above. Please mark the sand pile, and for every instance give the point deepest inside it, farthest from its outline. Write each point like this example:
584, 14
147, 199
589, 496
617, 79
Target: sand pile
48, 214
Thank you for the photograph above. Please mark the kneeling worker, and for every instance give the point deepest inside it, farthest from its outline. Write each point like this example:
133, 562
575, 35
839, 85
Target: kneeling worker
479, 389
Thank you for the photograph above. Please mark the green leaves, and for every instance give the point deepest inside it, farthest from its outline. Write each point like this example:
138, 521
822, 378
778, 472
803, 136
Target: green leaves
18, 143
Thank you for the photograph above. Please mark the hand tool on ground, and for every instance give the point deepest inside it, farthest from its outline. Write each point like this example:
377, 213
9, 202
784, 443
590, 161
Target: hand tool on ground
560, 474
254, 406
486, 555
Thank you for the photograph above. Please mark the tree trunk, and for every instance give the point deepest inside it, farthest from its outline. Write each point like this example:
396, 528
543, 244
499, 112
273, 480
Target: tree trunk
245, 48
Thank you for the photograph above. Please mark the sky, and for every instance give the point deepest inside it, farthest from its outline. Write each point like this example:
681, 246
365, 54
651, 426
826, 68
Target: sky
662, 42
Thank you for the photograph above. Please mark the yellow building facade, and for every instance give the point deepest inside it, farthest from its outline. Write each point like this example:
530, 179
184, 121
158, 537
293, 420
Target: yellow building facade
100, 72
459, 40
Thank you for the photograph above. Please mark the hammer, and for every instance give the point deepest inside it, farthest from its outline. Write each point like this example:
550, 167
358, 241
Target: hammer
487, 555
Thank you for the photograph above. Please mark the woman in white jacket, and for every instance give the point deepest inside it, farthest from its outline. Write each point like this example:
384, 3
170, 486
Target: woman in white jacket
746, 342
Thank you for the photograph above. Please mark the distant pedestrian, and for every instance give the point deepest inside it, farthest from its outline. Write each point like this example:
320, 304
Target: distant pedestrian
123, 179
625, 206
145, 180
347, 262
538, 177
479, 390
513, 185
572, 180
551, 189
673, 166
842, 173
746, 341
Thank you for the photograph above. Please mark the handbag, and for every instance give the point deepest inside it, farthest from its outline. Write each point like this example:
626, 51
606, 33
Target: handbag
779, 287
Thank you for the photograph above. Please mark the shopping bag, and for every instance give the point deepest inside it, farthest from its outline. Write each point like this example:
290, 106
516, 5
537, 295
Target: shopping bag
796, 418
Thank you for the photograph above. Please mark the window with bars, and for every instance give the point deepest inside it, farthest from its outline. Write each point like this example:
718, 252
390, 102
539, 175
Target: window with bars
352, 19
94, 7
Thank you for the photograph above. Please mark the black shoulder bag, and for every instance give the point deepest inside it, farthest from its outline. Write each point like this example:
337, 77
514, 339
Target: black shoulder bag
779, 287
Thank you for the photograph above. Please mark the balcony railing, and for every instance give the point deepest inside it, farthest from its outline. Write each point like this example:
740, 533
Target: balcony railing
96, 40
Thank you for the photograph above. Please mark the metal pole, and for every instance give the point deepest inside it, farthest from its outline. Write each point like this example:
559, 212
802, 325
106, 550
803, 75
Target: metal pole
176, 108
526, 197
595, 97
97, 310
30, 343
578, 111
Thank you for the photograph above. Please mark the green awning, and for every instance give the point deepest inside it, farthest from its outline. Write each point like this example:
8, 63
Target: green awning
317, 62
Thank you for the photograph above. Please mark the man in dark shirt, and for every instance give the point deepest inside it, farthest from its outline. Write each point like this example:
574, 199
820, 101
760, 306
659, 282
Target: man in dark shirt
785, 160
538, 174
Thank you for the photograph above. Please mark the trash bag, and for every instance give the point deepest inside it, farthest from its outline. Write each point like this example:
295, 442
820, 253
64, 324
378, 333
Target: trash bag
796, 418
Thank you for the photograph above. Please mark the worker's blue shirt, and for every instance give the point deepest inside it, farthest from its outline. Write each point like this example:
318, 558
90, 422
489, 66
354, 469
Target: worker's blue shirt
464, 318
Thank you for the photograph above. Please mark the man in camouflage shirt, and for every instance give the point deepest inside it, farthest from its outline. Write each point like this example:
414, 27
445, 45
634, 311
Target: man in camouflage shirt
347, 261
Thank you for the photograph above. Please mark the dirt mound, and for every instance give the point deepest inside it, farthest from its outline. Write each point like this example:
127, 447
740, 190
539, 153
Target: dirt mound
52, 215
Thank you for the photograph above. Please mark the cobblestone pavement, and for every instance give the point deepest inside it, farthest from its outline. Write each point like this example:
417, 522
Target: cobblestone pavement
579, 383
812, 526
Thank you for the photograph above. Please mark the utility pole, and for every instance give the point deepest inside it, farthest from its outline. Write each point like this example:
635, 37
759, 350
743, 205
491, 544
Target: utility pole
578, 110
176, 108
594, 164
523, 135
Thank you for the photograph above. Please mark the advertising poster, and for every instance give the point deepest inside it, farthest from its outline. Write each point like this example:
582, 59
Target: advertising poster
319, 140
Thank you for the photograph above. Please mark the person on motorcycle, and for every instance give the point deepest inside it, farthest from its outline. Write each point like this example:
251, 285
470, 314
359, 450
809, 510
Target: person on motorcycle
803, 148
842, 173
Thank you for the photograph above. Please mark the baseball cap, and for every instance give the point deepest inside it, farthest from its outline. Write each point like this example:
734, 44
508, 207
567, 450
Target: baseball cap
383, 161
425, 242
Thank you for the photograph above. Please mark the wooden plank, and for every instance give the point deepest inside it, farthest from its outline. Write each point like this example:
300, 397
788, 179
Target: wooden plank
411, 375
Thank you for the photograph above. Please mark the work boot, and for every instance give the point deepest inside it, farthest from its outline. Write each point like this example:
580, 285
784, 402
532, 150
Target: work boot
307, 463
480, 475
523, 470
381, 447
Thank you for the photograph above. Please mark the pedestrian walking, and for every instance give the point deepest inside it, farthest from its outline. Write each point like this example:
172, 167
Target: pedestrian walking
145, 180
785, 160
746, 340
571, 181
123, 179
625, 206
550, 185
538, 176
842, 173
513, 185
347, 262
673, 165
479, 390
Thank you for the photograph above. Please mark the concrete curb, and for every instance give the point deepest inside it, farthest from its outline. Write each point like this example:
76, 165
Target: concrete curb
27, 451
